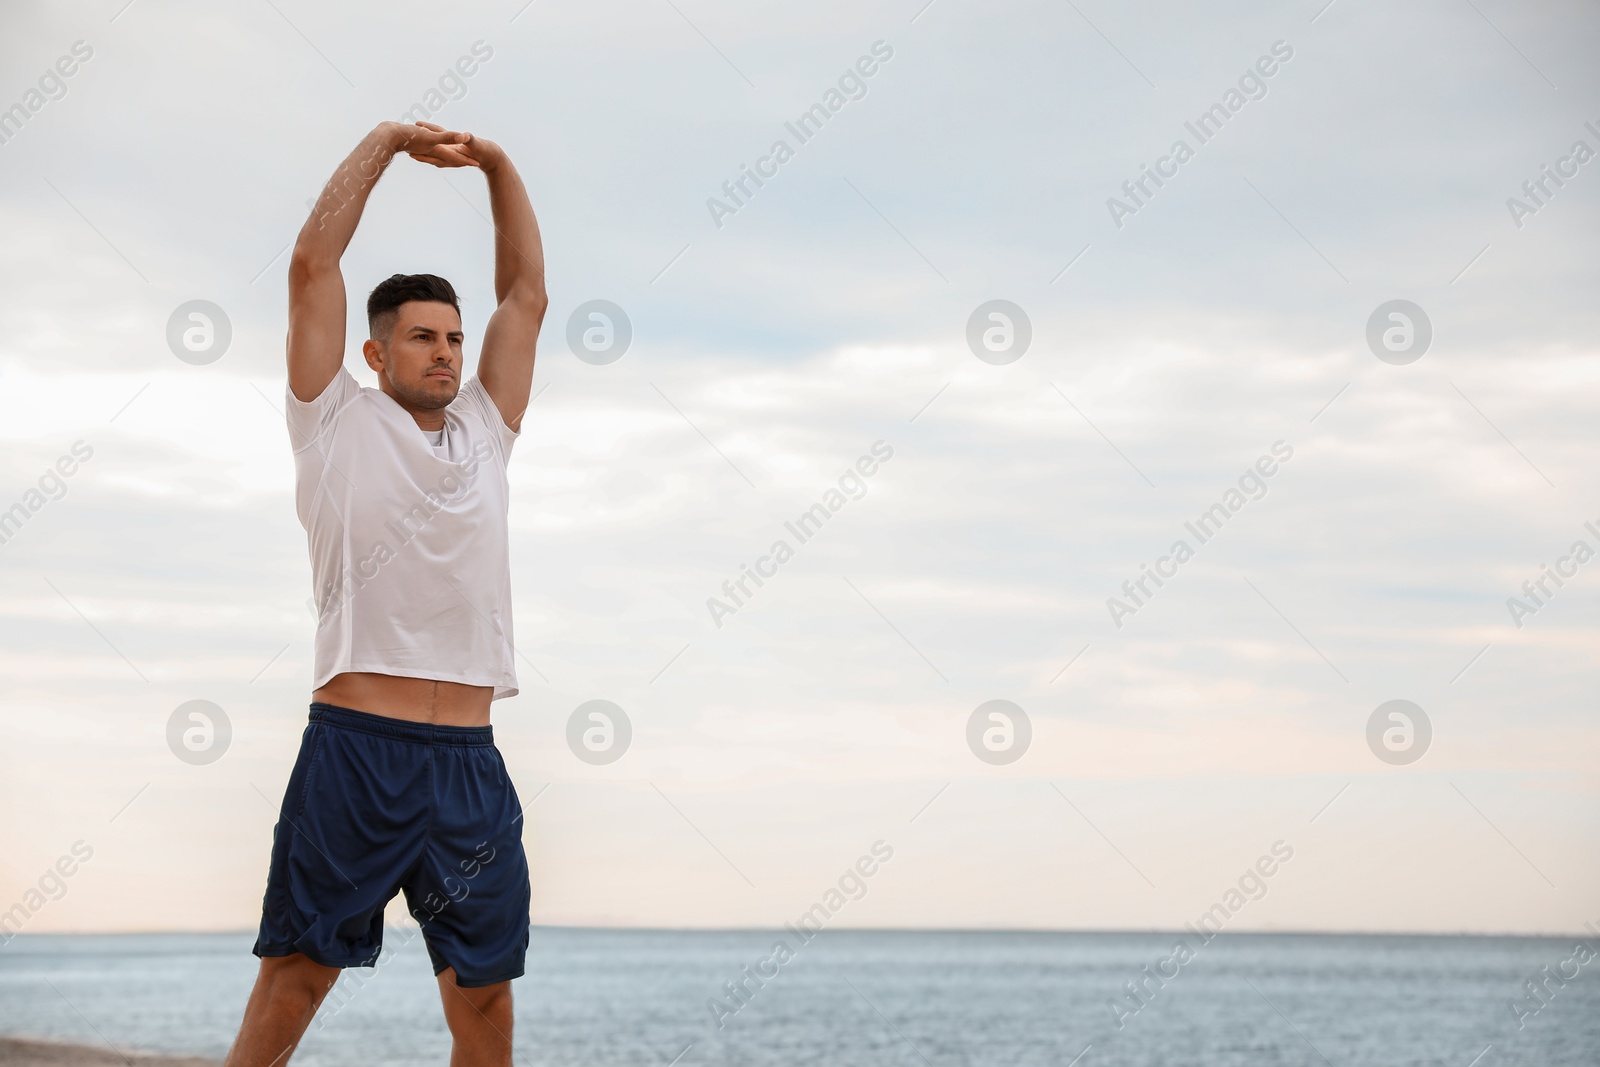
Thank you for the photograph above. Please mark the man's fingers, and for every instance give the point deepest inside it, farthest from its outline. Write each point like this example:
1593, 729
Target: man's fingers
427, 135
444, 156
458, 161
445, 149
433, 144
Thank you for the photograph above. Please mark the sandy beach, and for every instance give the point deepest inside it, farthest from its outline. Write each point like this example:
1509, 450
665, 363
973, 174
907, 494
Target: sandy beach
15, 1052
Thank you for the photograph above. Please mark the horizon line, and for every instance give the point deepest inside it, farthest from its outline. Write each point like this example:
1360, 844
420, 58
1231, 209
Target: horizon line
1052, 930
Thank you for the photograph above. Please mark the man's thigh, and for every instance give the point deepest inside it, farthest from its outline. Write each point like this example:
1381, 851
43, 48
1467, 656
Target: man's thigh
470, 890
352, 824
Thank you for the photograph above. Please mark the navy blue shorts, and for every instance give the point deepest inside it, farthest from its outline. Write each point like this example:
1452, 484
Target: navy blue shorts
377, 806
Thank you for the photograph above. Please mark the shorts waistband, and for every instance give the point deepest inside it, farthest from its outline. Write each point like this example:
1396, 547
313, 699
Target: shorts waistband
424, 733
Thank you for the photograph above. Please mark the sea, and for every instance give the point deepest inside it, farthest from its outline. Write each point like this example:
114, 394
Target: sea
660, 998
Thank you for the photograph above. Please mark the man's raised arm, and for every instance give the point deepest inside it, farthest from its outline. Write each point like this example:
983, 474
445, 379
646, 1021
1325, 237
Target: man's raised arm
506, 364
316, 286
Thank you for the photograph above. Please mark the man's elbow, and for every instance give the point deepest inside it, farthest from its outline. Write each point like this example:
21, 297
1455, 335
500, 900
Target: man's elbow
530, 299
306, 265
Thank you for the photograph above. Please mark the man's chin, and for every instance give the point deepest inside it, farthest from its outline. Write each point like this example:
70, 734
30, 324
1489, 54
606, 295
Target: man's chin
434, 394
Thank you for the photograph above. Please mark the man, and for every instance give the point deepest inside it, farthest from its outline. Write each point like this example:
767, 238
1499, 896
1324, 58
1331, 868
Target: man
403, 493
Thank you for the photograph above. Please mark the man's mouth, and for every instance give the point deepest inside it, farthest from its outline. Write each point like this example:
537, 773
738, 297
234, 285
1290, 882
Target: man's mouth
440, 374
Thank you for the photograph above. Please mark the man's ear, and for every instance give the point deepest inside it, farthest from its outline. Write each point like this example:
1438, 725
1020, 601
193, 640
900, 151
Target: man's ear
373, 353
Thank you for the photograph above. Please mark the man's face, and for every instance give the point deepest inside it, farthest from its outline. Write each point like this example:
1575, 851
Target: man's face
421, 361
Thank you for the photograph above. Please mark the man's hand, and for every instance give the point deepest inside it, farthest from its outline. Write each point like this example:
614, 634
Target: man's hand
444, 148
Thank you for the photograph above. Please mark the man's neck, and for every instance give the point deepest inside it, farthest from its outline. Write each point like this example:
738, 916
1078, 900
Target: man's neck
430, 419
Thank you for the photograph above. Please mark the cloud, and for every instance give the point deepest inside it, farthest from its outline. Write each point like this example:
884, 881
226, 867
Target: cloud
827, 315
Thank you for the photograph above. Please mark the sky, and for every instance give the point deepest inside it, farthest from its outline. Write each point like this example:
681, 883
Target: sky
1179, 336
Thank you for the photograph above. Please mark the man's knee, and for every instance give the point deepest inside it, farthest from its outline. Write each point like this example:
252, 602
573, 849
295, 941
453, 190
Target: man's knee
297, 980
493, 998
476, 1005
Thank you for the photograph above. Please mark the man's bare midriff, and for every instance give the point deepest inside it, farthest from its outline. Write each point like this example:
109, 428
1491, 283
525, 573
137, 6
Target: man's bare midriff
412, 699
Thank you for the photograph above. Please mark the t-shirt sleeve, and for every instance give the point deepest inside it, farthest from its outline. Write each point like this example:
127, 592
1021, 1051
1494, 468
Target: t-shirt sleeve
309, 420
476, 399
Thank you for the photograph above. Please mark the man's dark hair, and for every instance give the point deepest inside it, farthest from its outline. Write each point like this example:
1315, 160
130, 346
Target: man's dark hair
384, 303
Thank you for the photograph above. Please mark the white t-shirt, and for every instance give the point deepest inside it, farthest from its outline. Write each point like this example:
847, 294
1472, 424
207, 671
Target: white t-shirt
410, 555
